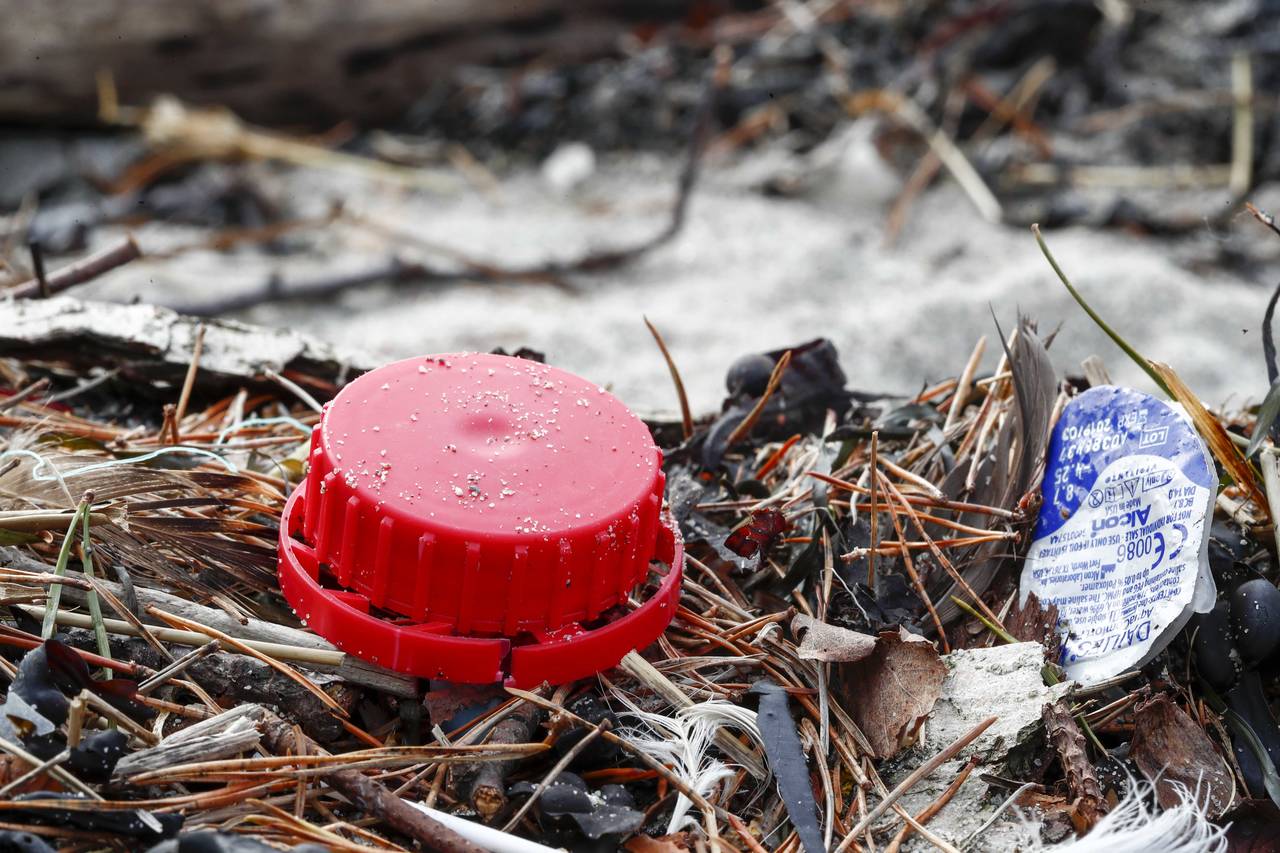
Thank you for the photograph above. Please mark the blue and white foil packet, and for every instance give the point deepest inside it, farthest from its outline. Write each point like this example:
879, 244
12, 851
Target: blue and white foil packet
1121, 545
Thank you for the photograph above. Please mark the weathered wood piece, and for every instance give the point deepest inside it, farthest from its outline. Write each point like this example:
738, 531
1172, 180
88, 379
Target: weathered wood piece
228, 734
157, 343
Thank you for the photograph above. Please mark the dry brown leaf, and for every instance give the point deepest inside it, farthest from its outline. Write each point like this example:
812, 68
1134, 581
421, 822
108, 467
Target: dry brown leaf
1169, 747
891, 691
820, 641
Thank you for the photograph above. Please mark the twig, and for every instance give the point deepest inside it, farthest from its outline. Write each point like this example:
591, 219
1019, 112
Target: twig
37, 265
875, 519
371, 797
916, 775
1242, 124
53, 770
686, 417
284, 670
297, 389
195, 638
113, 714
25, 394
75, 722
964, 384
554, 272
775, 379
943, 146
81, 271
179, 666
188, 383
38, 770
934, 807
554, 773
1000, 809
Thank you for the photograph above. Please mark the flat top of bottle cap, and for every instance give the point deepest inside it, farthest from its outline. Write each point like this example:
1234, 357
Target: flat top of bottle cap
489, 444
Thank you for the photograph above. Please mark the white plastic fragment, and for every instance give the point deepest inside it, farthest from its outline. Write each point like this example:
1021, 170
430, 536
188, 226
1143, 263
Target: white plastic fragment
493, 840
571, 164
1121, 543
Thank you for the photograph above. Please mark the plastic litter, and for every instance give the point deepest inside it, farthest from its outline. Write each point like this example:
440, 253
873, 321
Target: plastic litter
480, 518
1120, 545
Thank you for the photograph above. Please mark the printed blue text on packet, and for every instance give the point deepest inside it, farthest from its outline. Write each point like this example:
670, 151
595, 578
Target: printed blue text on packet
1121, 544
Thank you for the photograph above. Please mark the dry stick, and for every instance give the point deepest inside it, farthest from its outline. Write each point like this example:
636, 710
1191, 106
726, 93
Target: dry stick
297, 389
100, 707
37, 265
195, 638
38, 770
888, 549
53, 770
81, 271
1241, 177
284, 670
554, 774
943, 146
911, 570
20, 396
179, 666
965, 383
313, 763
128, 615
371, 797
188, 383
775, 379
75, 722
38, 520
875, 519
934, 807
1012, 104
916, 775
686, 416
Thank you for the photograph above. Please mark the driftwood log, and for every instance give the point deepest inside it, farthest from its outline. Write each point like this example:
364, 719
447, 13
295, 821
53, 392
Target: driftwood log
148, 343
283, 61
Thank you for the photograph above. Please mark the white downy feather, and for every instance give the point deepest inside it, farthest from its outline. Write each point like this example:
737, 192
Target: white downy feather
1138, 825
684, 741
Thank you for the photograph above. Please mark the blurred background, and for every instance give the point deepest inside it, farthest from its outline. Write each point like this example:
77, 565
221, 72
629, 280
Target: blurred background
402, 177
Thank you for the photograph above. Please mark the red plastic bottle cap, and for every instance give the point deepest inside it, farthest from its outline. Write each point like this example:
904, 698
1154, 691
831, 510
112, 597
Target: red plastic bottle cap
491, 502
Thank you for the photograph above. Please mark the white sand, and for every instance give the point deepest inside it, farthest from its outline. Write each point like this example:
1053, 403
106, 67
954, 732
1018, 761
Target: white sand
749, 272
